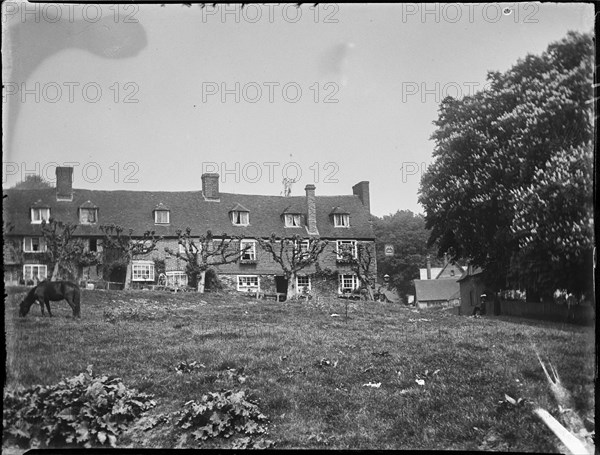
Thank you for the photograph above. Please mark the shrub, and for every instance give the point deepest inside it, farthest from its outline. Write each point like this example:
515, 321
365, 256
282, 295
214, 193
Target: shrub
225, 414
83, 410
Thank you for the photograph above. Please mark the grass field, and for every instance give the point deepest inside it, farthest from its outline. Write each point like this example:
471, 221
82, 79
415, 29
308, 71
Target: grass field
308, 369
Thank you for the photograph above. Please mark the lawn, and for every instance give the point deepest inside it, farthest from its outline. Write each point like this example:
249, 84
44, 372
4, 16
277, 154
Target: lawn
385, 377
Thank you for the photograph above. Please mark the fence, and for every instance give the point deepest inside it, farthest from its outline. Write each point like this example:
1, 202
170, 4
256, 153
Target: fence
580, 314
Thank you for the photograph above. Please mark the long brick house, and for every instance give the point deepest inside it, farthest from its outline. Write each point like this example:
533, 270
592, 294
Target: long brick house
341, 220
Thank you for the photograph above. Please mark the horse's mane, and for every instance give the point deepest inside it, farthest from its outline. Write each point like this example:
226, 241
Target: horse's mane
30, 294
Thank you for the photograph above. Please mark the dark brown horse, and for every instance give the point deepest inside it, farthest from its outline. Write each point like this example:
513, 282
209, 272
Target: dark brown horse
48, 291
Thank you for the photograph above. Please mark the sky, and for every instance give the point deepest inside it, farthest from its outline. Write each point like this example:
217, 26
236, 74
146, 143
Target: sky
148, 97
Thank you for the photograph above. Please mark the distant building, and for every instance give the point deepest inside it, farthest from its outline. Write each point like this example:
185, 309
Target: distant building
471, 287
439, 288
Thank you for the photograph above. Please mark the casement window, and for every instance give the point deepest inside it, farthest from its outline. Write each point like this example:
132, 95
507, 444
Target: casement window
346, 245
249, 250
341, 220
142, 271
37, 215
240, 218
248, 283
177, 278
302, 247
37, 272
88, 215
162, 217
292, 220
95, 245
181, 248
303, 283
347, 282
34, 245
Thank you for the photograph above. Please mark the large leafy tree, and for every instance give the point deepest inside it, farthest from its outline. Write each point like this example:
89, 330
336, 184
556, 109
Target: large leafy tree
506, 160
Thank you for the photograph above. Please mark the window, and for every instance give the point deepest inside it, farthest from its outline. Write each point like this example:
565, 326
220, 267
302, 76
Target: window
341, 220
348, 283
88, 216
303, 283
142, 271
177, 278
248, 283
95, 245
162, 216
346, 245
292, 220
37, 215
249, 250
302, 247
181, 248
240, 218
34, 272
34, 245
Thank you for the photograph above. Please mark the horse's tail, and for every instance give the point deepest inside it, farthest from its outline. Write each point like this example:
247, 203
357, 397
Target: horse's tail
76, 302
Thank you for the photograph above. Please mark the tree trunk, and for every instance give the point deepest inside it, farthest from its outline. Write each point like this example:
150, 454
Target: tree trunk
201, 278
292, 292
54, 276
128, 273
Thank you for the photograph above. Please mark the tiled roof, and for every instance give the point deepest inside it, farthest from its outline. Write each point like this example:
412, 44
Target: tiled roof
428, 290
133, 210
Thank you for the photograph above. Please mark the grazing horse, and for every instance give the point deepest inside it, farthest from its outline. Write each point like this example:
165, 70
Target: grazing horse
52, 290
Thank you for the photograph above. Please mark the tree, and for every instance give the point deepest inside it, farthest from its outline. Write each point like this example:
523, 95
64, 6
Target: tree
495, 149
361, 262
406, 232
62, 248
293, 254
32, 181
204, 252
127, 247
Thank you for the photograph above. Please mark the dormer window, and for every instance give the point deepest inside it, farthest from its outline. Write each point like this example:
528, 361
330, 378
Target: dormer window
341, 220
292, 220
239, 215
88, 216
39, 214
162, 215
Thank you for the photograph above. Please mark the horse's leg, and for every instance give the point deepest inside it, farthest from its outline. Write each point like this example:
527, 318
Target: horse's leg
48, 307
70, 302
41, 307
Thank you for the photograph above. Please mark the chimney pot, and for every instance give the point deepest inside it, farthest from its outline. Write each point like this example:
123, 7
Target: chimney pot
210, 186
64, 183
428, 267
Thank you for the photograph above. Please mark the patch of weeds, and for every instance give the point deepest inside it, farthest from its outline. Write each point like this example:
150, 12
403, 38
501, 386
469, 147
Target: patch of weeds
83, 410
223, 415
188, 367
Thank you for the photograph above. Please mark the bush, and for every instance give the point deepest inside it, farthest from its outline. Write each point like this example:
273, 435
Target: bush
224, 414
83, 410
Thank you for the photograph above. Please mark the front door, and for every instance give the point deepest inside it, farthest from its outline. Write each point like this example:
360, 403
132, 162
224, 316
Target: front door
281, 284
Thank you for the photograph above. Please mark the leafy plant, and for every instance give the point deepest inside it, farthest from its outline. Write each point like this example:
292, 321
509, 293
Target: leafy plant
83, 410
223, 414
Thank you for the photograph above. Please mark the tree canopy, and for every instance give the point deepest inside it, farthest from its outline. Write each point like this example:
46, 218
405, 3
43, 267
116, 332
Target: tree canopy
510, 188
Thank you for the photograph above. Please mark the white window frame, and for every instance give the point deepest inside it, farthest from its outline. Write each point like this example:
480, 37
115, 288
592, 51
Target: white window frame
156, 217
345, 276
40, 217
28, 242
251, 252
99, 245
240, 218
242, 285
299, 286
83, 210
138, 271
341, 220
38, 267
177, 278
346, 242
292, 220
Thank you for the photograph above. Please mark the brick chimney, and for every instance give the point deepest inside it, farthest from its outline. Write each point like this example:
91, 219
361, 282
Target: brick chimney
311, 206
361, 189
64, 183
428, 267
210, 186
